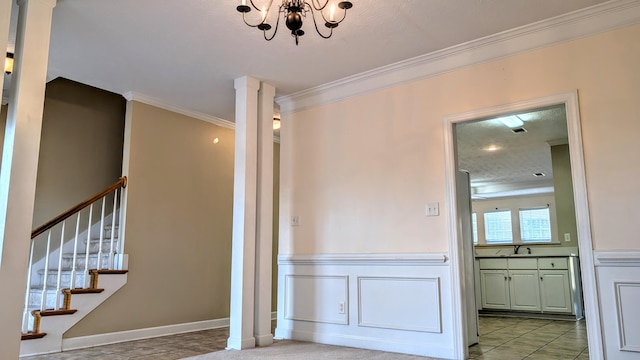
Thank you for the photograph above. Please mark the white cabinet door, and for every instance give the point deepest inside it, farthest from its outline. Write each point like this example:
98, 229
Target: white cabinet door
555, 291
495, 289
524, 290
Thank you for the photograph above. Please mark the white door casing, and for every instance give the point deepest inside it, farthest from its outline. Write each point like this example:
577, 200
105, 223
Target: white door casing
590, 292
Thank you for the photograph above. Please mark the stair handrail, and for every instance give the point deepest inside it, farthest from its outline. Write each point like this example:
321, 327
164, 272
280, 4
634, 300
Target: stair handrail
121, 183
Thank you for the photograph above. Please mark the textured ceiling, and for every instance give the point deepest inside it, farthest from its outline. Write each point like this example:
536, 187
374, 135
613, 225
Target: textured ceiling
509, 168
187, 53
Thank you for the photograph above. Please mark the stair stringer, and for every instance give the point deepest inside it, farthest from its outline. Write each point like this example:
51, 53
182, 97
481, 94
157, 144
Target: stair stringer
56, 326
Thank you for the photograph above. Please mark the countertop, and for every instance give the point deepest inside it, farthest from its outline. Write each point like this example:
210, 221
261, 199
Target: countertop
525, 256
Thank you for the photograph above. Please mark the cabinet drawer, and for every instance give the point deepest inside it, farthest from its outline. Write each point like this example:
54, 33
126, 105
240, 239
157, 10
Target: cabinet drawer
553, 263
523, 264
498, 264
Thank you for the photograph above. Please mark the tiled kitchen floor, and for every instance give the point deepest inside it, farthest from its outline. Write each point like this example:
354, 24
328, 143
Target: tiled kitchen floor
500, 338
532, 339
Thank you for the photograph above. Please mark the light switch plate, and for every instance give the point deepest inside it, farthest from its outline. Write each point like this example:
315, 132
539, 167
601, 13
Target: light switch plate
433, 209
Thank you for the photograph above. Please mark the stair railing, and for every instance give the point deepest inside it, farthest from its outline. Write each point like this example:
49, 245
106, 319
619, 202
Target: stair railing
99, 253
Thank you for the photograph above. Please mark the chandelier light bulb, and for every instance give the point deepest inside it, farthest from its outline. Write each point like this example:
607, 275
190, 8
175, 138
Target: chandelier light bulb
332, 12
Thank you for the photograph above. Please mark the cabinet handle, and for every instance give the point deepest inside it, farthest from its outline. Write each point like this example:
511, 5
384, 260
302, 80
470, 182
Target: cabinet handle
541, 278
509, 278
553, 265
505, 278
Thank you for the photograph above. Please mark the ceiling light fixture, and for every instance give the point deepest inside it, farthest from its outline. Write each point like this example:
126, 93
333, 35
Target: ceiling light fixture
276, 123
8, 63
294, 12
512, 121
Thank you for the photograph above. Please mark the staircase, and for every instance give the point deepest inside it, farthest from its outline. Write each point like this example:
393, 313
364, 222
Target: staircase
72, 269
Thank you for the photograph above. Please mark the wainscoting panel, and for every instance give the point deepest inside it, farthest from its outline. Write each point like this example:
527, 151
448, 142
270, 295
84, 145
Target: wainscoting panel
417, 303
627, 298
391, 302
619, 289
316, 298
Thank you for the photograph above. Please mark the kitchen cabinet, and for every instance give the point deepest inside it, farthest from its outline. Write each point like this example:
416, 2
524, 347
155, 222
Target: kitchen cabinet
555, 289
526, 284
524, 289
495, 289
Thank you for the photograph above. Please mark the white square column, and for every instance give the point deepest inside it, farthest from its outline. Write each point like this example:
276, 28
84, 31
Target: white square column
264, 234
20, 163
243, 248
251, 263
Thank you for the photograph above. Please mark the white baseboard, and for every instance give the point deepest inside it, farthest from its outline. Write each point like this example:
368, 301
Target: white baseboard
82, 342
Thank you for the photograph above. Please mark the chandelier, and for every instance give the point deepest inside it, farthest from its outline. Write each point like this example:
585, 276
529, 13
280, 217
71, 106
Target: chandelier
294, 12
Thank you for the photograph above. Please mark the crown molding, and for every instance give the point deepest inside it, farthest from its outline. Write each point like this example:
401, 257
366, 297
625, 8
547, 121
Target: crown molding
134, 96
586, 22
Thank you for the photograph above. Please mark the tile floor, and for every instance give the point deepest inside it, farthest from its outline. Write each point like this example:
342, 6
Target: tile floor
508, 338
501, 338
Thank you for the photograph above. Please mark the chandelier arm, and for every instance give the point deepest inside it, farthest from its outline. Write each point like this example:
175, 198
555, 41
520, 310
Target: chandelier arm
319, 7
257, 8
275, 30
248, 24
315, 24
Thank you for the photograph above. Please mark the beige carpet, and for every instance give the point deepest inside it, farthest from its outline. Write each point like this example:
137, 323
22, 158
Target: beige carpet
289, 350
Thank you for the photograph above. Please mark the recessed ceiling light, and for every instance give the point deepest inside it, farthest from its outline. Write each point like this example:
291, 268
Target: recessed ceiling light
492, 148
539, 174
511, 121
216, 140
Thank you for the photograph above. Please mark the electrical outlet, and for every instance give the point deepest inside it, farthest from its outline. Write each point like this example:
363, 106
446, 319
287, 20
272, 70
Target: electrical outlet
567, 237
295, 220
341, 307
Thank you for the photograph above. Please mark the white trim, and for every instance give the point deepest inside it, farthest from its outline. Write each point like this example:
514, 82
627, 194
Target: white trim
617, 258
82, 342
591, 300
145, 99
438, 294
589, 21
365, 259
622, 336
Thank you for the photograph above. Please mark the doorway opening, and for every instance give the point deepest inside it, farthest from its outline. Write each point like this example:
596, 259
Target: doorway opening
519, 228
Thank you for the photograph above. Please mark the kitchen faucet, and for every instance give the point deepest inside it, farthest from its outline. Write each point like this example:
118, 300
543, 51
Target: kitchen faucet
516, 248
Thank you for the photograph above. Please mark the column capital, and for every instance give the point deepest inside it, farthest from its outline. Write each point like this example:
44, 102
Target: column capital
246, 82
49, 3
267, 90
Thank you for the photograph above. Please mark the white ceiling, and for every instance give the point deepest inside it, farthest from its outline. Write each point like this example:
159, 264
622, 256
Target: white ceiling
508, 169
187, 53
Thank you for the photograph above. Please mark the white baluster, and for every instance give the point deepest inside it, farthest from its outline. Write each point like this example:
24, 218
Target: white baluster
72, 285
43, 299
26, 315
101, 233
113, 228
59, 279
88, 247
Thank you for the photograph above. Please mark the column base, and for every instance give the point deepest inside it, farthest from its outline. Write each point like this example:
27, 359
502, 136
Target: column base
241, 344
264, 340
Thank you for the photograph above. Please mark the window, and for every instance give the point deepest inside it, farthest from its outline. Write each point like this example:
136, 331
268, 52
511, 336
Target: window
535, 225
474, 227
497, 227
